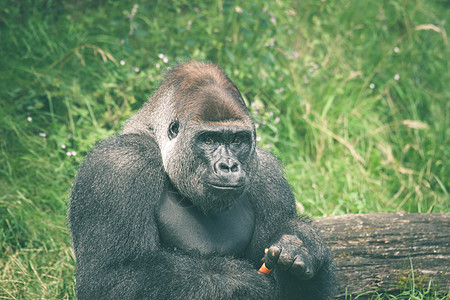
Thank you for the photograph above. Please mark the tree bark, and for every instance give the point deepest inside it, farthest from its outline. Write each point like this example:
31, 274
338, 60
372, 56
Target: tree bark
377, 252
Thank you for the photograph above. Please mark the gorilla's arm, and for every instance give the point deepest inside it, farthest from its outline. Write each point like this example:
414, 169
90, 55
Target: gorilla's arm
116, 241
278, 227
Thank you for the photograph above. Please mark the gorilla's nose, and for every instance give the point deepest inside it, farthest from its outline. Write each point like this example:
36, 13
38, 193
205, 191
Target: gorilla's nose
229, 172
227, 166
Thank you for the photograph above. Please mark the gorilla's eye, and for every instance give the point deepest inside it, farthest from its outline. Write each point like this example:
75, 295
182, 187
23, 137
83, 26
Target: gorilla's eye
237, 141
209, 141
173, 129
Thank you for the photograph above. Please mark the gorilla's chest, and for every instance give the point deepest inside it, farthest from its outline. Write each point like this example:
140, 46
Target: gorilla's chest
183, 226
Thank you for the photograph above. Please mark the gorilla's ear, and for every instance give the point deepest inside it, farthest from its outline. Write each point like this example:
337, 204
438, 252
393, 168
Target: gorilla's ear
173, 129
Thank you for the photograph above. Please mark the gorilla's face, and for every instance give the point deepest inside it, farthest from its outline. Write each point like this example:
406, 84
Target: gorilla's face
206, 137
213, 163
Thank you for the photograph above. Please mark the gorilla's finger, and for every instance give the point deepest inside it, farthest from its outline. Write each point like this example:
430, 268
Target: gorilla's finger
285, 262
271, 257
298, 267
301, 269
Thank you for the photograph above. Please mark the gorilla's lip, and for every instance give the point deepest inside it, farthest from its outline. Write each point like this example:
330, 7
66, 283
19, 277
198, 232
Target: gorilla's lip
226, 186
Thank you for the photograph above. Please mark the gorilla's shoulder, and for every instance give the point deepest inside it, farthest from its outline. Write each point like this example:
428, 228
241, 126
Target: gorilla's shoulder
270, 187
129, 141
270, 173
126, 151
267, 160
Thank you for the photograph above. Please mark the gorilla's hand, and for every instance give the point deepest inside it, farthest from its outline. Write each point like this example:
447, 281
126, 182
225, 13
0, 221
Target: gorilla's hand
289, 254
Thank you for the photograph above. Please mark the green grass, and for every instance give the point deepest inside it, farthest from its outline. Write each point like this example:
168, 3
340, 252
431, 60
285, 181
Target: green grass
352, 96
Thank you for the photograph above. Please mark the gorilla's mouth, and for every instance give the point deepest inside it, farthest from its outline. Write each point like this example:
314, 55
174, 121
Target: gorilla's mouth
227, 187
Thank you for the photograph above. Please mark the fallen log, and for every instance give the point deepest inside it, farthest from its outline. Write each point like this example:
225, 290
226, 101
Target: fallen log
386, 252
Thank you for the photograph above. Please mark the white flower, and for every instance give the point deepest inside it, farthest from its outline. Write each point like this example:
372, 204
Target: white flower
63, 146
372, 86
396, 77
163, 57
122, 62
396, 49
136, 70
43, 134
29, 119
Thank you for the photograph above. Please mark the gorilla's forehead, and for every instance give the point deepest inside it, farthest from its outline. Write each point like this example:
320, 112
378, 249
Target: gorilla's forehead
214, 109
211, 104
228, 127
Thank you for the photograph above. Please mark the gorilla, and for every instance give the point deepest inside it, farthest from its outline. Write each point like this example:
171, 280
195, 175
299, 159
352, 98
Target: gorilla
181, 204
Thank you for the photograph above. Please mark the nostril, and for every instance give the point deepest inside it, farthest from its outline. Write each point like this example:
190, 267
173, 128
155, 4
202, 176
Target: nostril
224, 167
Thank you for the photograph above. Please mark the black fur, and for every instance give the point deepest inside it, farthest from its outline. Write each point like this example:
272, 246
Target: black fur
116, 200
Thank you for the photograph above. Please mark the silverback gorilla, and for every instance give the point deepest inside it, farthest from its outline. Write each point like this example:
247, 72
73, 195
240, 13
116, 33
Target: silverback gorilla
181, 204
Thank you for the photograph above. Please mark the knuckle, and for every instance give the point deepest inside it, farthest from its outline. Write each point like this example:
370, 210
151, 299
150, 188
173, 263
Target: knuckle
285, 262
299, 263
302, 269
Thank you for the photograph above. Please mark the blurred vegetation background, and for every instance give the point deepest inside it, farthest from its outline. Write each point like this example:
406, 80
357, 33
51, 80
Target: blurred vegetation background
352, 96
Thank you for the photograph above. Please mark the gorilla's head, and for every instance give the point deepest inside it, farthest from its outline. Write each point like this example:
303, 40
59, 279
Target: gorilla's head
205, 134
